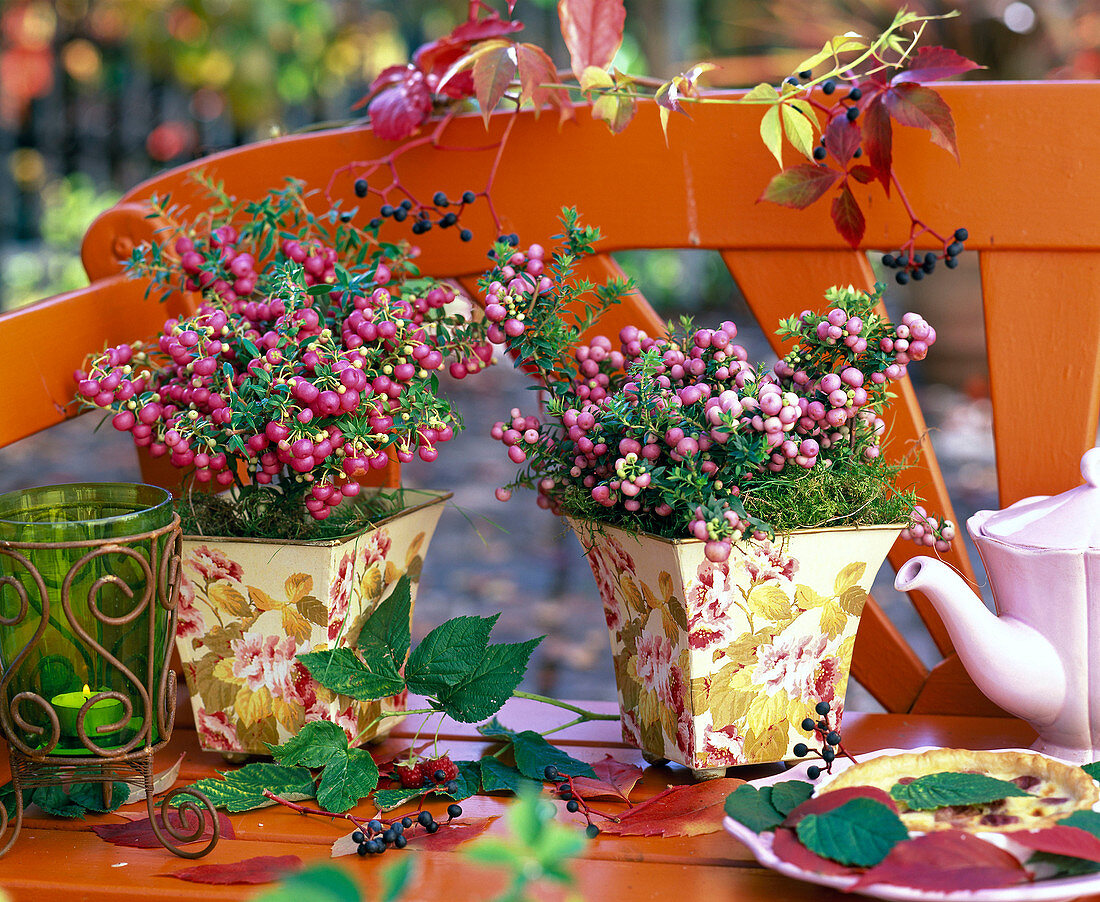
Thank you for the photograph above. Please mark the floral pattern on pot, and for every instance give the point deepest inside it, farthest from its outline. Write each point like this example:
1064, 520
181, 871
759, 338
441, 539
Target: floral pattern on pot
717, 664
249, 607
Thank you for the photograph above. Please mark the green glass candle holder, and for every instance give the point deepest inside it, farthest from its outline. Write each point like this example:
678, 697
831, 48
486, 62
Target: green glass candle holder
89, 581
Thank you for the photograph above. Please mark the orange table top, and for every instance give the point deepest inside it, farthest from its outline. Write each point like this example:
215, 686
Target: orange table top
64, 859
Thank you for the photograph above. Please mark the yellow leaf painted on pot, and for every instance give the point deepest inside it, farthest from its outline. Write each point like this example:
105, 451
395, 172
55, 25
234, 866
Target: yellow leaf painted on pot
727, 705
665, 584
677, 612
263, 601
668, 722
844, 652
743, 651
633, 598
770, 602
630, 692
649, 707
251, 707
672, 631
806, 598
228, 599
652, 738
223, 670
392, 573
414, 548
833, 619
766, 711
290, 714
699, 695
798, 710
297, 586
259, 735
313, 609
294, 624
767, 745
216, 693
370, 586
852, 600
848, 577
220, 639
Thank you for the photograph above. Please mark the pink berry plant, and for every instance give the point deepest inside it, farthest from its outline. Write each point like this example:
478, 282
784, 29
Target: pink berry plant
681, 435
312, 357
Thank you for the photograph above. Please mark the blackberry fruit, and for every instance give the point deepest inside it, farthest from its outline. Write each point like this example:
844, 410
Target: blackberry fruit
362, 849
858, 153
951, 262
447, 220
902, 278
832, 737
433, 827
808, 724
345, 217
400, 213
454, 811
806, 74
917, 274
406, 204
801, 749
822, 708
424, 818
385, 210
400, 842
551, 772
358, 837
375, 223
813, 771
954, 249
374, 826
406, 822
888, 261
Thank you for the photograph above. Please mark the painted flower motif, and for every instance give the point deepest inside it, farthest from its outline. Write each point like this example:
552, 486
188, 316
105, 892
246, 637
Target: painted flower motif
376, 547
347, 720
217, 730
825, 680
619, 556
605, 583
303, 689
790, 663
723, 747
653, 663
213, 565
765, 561
340, 595
713, 618
632, 732
189, 621
265, 661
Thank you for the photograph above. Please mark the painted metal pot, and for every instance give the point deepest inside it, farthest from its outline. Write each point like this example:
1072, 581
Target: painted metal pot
718, 664
247, 607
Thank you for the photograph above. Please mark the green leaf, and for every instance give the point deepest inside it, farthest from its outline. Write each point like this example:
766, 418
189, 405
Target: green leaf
395, 878
533, 755
771, 133
943, 789
389, 624
798, 129
496, 730
54, 800
448, 653
799, 186
1065, 865
385, 799
787, 796
318, 883
340, 671
483, 692
1093, 770
243, 789
860, 832
90, 795
317, 743
346, 779
753, 808
498, 777
1088, 821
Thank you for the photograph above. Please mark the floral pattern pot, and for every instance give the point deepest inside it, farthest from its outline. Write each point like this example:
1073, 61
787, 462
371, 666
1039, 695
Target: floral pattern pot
718, 664
247, 607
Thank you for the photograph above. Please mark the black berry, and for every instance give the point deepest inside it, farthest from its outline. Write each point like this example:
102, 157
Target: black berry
806, 74
822, 708
832, 737
852, 114
592, 831
828, 87
400, 213
374, 826
951, 262
424, 818
828, 753
361, 187
388, 836
468, 197
440, 199
406, 822
451, 787
439, 776
551, 772
821, 725
362, 849
855, 94
858, 153
465, 234
400, 842
406, 204
386, 210
808, 723
902, 278
961, 234
888, 261
791, 80
800, 749
357, 837
813, 771
573, 805
345, 217
375, 223
447, 220
454, 811
433, 827
954, 249
918, 274
819, 153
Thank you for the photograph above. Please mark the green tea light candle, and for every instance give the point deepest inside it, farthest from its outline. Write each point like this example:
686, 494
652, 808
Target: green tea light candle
106, 712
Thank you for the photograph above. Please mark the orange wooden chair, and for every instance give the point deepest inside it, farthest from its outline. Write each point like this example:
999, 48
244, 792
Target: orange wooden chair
1026, 191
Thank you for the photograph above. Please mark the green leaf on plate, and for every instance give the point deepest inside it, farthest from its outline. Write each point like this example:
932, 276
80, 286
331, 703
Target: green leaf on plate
753, 808
948, 788
789, 794
1093, 770
860, 832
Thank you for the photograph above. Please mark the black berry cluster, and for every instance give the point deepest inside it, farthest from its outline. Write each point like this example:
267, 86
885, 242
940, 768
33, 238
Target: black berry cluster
443, 211
911, 265
573, 801
827, 735
374, 837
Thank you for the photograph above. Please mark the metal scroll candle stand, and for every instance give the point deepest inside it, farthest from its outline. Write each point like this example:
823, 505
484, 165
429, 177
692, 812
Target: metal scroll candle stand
89, 583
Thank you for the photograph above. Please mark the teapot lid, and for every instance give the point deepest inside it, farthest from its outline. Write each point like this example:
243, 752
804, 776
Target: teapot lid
1070, 521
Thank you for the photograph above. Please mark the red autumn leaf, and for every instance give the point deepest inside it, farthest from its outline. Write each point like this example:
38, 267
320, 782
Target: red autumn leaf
878, 140
842, 138
593, 31
946, 861
933, 63
614, 780
829, 800
436, 57
1061, 840
862, 174
261, 869
787, 847
848, 217
922, 107
536, 73
402, 105
679, 811
799, 186
139, 834
493, 72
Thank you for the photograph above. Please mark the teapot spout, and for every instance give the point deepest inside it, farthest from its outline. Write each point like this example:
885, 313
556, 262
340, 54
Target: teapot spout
1013, 664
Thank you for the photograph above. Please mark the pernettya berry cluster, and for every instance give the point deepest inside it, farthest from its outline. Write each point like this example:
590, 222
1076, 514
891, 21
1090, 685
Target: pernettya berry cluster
828, 737
442, 211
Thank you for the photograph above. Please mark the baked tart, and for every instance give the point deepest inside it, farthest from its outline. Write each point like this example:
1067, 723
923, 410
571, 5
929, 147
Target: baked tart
1051, 789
